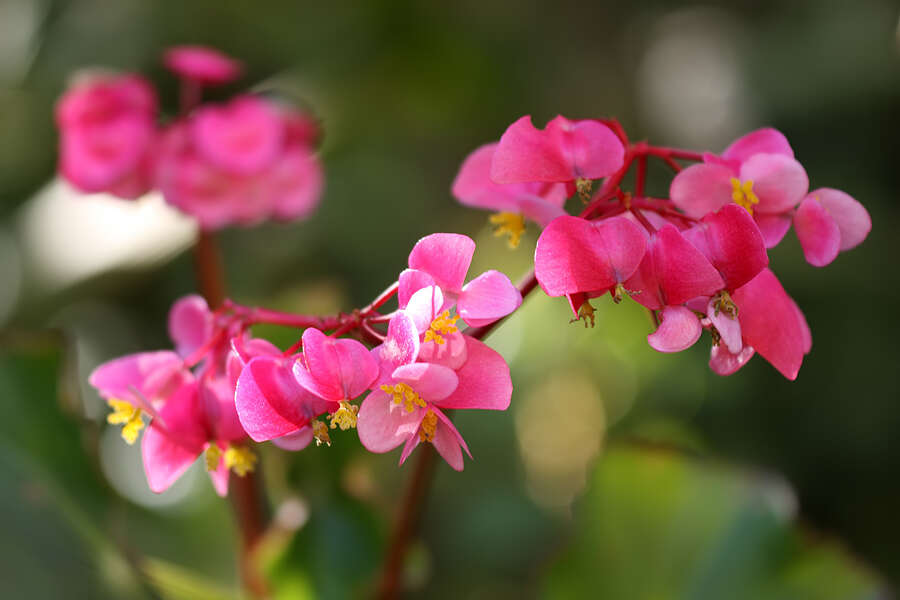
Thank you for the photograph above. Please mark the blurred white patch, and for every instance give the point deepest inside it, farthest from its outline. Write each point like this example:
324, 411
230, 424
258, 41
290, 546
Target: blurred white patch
10, 274
690, 82
560, 426
124, 469
68, 237
18, 23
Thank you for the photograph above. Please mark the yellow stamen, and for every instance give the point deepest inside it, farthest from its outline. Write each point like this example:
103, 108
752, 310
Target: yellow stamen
742, 193
403, 393
583, 187
240, 459
212, 455
510, 224
443, 325
127, 414
722, 302
345, 416
429, 426
585, 313
320, 432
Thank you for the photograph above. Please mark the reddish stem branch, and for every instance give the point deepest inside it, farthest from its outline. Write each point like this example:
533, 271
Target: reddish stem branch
413, 502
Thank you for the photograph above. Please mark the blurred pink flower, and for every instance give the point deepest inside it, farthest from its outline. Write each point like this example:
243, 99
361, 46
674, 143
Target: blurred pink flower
201, 64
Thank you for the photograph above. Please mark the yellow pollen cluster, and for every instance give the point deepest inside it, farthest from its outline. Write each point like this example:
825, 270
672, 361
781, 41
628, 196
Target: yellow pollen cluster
429, 426
212, 455
345, 416
583, 187
742, 193
509, 224
404, 394
320, 432
724, 304
240, 459
443, 325
127, 414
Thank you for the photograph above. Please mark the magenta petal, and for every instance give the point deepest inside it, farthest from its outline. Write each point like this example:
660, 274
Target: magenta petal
153, 375
165, 458
488, 297
452, 429
772, 324
539, 210
294, 442
431, 381
723, 362
334, 369
702, 188
851, 217
383, 425
451, 354
780, 182
410, 282
729, 328
680, 329
190, 324
448, 446
202, 64
772, 227
444, 256
484, 380
575, 255
761, 141
294, 184
400, 347
564, 151
217, 400
269, 401
219, 478
473, 185
819, 235
424, 306
241, 138
731, 240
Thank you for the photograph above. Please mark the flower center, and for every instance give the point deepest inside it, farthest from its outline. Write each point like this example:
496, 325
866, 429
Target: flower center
724, 304
442, 325
320, 432
510, 224
742, 193
240, 459
583, 187
345, 416
127, 414
429, 426
586, 314
212, 455
404, 394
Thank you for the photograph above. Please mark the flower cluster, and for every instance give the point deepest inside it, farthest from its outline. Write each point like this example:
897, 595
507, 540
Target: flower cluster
697, 260
242, 162
221, 388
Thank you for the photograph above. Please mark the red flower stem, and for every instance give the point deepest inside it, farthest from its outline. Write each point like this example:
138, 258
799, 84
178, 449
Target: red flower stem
674, 165
665, 152
413, 502
275, 317
246, 494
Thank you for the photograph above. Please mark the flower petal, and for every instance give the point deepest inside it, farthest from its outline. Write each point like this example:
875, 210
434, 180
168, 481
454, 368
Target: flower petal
484, 380
702, 188
451, 354
729, 328
448, 446
819, 235
731, 240
410, 282
383, 425
723, 362
680, 329
488, 297
334, 369
575, 255
772, 227
779, 181
762, 141
400, 347
165, 458
294, 442
431, 381
444, 256
190, 324
851, 217
424, 306
219, 478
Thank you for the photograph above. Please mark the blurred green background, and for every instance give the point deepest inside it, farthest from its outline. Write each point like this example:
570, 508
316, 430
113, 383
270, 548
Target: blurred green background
618, 472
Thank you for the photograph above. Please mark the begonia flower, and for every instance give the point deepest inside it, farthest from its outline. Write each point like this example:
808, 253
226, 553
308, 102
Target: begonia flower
407, 404
827, 222
201, 64
442, 260
107, 129
757, 172
240, 163
513, 202
571, 152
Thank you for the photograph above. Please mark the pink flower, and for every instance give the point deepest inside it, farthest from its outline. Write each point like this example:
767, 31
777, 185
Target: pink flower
566, 151
201, 64
442, 260
771, 323
240, 163
758, 172
829, 221
407, 404
537, 201
107, 132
